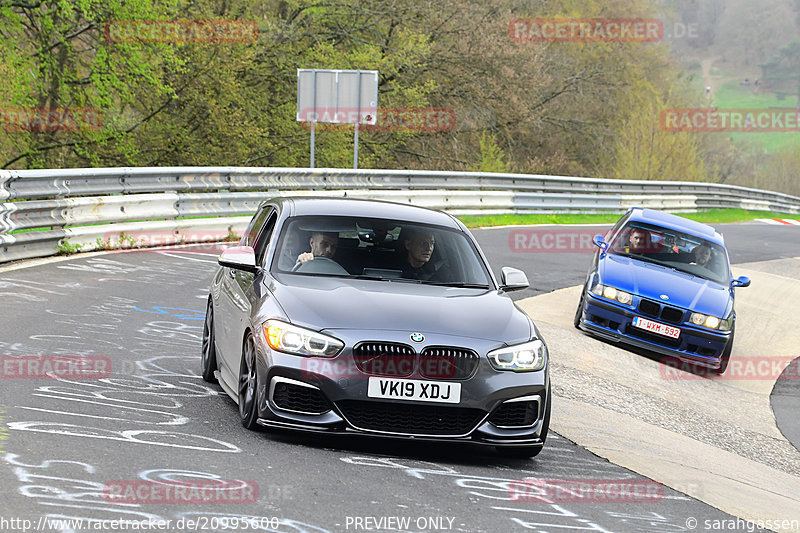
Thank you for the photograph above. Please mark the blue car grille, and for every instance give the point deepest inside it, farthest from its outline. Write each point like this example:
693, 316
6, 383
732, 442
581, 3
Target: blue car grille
652, 309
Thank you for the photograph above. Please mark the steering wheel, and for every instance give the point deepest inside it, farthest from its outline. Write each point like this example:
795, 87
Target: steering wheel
324, 265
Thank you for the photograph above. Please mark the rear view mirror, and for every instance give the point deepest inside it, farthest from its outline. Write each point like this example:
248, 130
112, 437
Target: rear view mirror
741, 281
598, 241
512, 279
239, 258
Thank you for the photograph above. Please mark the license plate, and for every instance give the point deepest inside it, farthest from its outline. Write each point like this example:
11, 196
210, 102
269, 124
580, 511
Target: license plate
656, 327
414, 389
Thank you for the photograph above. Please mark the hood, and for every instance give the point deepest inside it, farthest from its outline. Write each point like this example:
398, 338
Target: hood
651, 281
336, 303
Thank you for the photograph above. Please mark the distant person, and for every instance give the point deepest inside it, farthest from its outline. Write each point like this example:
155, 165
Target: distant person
708, 90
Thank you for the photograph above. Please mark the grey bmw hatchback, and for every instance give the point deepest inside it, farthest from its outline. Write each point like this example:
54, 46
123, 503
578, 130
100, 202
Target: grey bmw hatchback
357, 317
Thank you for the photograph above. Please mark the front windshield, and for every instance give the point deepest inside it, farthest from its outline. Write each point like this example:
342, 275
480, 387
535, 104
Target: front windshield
673, 249
379, 249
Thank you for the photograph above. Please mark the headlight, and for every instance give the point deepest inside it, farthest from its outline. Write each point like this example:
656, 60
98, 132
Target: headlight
522, 357
612, 294
710, 321
295, 340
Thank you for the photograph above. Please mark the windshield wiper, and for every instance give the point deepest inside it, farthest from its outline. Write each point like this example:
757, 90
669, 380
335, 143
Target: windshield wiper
460, 284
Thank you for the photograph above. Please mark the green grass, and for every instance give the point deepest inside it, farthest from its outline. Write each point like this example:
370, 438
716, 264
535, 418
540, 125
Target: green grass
713, 216
732, 95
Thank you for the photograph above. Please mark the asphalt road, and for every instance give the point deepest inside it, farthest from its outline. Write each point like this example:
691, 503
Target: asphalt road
153, 422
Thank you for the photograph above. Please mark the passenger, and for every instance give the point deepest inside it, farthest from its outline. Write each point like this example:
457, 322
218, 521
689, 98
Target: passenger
417, 246
702, 255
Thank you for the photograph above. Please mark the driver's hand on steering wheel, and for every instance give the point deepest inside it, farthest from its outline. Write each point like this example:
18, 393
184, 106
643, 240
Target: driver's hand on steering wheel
306, 256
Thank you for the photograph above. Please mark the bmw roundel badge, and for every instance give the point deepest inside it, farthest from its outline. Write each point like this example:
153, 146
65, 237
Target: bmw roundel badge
664, 297
417, 337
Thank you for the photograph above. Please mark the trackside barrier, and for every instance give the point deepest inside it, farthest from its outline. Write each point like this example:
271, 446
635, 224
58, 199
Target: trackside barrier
44, 211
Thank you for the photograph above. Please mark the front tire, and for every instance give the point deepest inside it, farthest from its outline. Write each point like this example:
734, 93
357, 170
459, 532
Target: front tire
726, 354
578, 313
248, 385
527, 452
209, 353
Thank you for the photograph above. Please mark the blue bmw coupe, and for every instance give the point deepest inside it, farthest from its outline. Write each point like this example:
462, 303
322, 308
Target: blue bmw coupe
663, 283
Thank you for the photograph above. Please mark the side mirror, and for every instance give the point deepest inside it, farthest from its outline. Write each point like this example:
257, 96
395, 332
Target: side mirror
598, 241
741, 281
239, 258
513, 279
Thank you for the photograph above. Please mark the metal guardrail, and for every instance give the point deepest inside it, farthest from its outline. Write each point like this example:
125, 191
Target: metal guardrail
43, 211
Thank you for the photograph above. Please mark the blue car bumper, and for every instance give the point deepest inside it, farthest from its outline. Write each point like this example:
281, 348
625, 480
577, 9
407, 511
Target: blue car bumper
610, 321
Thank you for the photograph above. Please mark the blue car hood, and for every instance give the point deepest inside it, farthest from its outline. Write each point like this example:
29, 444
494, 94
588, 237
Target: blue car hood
335, 303
650, 281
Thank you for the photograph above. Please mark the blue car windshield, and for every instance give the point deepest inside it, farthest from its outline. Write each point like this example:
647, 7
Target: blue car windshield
379, 249
673, 249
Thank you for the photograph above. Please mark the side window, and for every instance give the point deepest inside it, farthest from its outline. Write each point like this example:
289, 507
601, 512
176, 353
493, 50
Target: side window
262, 241
250, 234
610, 233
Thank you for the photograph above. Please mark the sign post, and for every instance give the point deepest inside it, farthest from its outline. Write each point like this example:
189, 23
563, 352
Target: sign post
337, 97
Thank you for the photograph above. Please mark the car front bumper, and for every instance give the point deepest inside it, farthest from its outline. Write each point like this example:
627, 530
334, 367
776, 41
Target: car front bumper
613, 322
498, 408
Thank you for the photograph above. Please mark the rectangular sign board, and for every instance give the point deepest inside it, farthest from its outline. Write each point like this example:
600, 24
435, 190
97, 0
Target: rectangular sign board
337, 96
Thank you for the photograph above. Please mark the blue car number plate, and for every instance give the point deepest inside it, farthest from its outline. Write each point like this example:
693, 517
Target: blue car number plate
656, 327
414, 389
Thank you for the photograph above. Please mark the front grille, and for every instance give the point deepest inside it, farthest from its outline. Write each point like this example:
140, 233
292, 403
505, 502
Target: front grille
298, 398
516, 414
410, 419
445, 362
384, 358
648, 308
672, 315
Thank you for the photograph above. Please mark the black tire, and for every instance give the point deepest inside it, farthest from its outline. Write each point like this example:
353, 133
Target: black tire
527, 452
726, 354
248, 385
578, 313
208, 359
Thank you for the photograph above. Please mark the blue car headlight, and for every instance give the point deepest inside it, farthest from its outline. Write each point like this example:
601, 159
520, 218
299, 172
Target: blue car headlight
527, 357
710, 321
291, 339
612, 294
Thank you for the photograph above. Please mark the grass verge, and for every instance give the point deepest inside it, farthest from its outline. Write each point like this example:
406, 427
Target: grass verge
712, 216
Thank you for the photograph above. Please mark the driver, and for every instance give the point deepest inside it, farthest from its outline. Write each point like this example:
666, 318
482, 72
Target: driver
323, 244
639, 241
